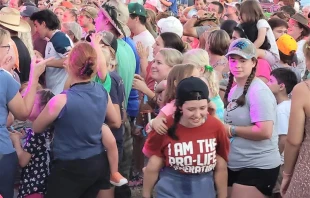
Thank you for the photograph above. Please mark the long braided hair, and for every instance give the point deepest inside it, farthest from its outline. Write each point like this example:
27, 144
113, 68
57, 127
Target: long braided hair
241, 100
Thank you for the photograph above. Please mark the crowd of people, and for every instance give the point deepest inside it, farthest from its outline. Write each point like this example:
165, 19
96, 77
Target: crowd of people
187, 99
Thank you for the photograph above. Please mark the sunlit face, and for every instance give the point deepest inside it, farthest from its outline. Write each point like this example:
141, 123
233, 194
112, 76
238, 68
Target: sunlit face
235, 36
293, 29
77, 2
84, 21
214, 9
4, 48
60, 14
240, 67
41, 29
279, 31
159, 69
102, 23
305, 11
132, 22
194, 113
36, 109
180, 9
200, 5
13, 4
273, 85
229, 11
158, 45
68, 17
41, 5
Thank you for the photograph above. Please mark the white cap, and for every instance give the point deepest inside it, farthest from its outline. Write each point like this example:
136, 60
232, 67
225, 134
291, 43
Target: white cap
170, 24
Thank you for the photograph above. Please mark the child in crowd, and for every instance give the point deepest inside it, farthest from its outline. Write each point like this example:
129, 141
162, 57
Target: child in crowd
157, 145
288, 58
192, 10
251, 13
34, 153
281, 83
177, 74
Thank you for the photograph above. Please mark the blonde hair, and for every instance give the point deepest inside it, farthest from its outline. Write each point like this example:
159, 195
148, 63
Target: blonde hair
171, 56
200, 59
4, 34
26, 37
306, 49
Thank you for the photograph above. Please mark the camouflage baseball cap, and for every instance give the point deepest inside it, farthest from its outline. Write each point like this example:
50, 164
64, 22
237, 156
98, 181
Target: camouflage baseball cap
242, 47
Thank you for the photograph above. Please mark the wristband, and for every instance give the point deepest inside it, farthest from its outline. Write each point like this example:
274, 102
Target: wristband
151, 123
233, 131
285, 174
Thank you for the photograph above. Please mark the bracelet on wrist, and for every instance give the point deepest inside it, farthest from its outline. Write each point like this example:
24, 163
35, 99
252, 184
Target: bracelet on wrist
286, 174
233, 131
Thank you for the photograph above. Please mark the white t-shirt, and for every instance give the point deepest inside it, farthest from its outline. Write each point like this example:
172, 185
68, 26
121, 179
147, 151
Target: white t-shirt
301, 57
283, 115
262, 23
147, 39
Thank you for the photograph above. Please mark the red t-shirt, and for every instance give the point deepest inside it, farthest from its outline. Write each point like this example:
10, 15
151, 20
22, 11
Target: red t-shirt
195, 151
150, 82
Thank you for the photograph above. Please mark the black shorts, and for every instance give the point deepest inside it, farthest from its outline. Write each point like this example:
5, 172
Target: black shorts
81, 178
263, 179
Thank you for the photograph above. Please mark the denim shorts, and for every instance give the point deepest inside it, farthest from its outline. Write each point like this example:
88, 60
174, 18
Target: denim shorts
173, 183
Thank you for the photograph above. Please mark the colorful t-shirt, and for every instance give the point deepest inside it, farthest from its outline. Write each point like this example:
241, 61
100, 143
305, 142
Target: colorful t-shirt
106, 84
34, 174
126, 66
195, 151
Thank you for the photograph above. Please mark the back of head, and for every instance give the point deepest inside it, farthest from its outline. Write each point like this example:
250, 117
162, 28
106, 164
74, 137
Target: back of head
48, 17
287, 77
172, 40
170, 24
197, 57
176, 74
287, 46
171, 56
228, 26
276, 22
219, 42
82, 61
75, 29
45, 96
252, 10
288, 9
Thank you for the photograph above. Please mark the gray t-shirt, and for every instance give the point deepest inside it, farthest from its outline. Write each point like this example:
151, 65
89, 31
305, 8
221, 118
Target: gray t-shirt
201, 29
260, 106
294, 69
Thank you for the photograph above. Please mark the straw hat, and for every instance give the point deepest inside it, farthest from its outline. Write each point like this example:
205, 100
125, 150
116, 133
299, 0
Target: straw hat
302, 20
10, 18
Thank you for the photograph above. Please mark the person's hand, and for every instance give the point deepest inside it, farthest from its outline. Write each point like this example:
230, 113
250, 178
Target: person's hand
142, 51
201, 13
139, 84
16, 136
212, 108
7, 62
38, 67
285, 183
95, 39
159, 125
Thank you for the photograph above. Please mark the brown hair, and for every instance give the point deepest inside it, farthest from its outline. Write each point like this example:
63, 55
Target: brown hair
45, 96
241, 100
219, 42
281, 15
83, 61
151, 22
176, 74
25, 85
252, 10
276, 22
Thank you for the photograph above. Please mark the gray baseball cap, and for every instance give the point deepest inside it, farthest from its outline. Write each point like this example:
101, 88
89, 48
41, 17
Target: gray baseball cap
27, 11
242, 47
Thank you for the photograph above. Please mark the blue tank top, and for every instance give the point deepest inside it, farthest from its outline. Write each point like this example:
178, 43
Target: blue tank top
78, 126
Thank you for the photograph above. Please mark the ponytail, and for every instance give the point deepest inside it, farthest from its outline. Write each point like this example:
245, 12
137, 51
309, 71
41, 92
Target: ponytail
177, 118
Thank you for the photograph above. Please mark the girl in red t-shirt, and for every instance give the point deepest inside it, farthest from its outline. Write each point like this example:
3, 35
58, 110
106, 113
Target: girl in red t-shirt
188, 151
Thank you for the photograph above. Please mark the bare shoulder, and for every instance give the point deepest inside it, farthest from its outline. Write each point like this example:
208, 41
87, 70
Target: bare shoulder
58, 101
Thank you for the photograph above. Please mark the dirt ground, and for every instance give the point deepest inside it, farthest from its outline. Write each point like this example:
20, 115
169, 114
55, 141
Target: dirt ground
136, 192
